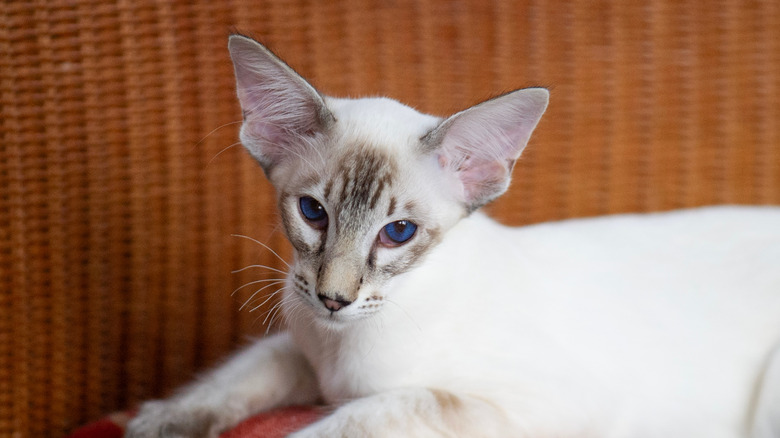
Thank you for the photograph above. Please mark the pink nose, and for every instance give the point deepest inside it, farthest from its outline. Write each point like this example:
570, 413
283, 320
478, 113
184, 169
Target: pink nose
334, 305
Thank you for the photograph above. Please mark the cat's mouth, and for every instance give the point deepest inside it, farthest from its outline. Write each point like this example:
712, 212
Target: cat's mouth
362, 308
339, 312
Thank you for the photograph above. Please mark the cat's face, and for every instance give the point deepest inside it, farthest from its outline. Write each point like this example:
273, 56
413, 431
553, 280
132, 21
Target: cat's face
363, 206
367, 187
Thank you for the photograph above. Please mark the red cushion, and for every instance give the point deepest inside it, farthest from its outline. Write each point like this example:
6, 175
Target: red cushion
274, 424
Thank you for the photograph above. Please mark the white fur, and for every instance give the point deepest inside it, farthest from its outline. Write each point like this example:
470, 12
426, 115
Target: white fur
630, 326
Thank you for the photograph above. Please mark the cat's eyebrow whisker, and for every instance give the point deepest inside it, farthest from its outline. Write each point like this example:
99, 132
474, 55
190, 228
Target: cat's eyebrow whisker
259, 266
264, 246
215, 130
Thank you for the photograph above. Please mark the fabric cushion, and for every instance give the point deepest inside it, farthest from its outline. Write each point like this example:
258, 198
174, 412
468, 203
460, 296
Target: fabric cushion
274, 424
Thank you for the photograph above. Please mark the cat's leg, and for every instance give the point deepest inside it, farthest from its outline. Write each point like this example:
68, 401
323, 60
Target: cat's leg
268, 374
766, 422
412, 412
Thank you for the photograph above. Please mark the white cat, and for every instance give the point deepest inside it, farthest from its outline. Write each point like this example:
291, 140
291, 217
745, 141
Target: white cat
414, 315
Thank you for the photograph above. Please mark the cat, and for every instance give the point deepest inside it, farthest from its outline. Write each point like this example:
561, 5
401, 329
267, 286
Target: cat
413, 314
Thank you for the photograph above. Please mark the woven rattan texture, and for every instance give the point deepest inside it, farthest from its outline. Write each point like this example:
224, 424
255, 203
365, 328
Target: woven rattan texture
121, 183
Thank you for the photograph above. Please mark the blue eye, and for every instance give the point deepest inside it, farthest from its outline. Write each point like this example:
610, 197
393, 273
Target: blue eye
397, 233
314, 212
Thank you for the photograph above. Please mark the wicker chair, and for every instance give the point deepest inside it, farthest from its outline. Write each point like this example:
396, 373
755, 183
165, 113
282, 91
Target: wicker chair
121, 185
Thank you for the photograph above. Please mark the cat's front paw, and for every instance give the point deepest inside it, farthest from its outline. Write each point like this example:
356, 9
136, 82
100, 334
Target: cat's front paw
165, 419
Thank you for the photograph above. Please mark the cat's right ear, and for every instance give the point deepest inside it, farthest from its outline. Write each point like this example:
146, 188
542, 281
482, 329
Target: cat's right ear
282, 112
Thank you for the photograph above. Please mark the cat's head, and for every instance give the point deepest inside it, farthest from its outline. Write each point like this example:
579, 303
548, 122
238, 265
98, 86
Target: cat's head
366, 187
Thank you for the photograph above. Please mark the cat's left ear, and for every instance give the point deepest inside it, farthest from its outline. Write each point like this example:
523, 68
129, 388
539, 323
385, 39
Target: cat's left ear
480, 145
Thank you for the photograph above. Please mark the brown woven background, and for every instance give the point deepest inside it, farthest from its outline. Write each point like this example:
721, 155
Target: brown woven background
118, 201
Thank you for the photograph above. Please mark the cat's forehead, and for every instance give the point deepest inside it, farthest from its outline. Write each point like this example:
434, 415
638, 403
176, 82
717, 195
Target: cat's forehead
381, 122
362, 180
368, 162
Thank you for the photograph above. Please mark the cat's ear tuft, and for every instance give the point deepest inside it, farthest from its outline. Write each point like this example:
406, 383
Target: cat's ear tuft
480, 144
281, 110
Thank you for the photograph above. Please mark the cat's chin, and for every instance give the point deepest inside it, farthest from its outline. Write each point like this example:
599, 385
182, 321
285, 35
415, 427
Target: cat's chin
341, 319
335, 322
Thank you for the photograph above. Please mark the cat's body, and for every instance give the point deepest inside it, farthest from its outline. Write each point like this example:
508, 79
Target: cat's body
416, 316
626, 326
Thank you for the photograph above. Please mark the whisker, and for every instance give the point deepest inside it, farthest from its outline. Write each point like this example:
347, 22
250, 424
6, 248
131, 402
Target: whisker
286, 307
264, 246
271, 324
293, 311
267, 274
259, 266
238, 143
405, 313
213, 131
249, 301
292, 315
273, 318
286, 316
269, 310
268, 298
265, 280
272, 311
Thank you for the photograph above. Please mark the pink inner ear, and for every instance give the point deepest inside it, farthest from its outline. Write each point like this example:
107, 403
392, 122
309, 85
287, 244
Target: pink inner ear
481, 177
481, 143
281, 110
